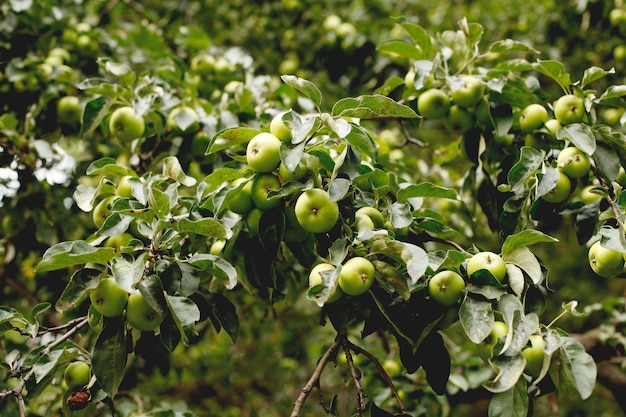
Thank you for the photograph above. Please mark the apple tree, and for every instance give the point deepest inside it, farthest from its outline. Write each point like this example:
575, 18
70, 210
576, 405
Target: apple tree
416, 211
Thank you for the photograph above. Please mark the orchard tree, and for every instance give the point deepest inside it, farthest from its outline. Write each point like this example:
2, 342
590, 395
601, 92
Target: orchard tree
416, 213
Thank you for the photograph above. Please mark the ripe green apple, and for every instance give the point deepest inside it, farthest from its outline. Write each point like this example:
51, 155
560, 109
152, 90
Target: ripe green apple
446, 287
124, 187
102, 210
574, 162
125, 124
315, 212
315, 278
587, 196
262, 184
300, 172
241, 203
252, 220
561, 190
534, 355
140, 314
533, 117
203, 64
279, 128
433, 103
498, 331
612, 115
459, 120
77, 374
605, 262
490, 261
263, 152
108, 298
356, 276
470, 93
183, 119
553, 126
117, 241
374, 215
617, 17
68, 110
569, 109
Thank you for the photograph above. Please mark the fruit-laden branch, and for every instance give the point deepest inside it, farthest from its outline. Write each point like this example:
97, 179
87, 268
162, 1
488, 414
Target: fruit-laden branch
17, 390
315, 377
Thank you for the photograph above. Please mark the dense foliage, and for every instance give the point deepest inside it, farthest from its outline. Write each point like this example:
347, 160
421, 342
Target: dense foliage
398, 208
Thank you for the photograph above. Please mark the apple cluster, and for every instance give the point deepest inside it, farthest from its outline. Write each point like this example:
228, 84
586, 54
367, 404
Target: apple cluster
76, 379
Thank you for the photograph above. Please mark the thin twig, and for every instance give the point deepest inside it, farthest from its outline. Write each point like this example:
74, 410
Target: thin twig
382, 372
314, 379
17, 391
355, 377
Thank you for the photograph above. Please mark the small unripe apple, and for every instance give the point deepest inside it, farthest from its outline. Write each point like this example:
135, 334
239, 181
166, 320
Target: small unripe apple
263, 152
77, 374
278, 127
490, 261
605, 262
446, 287
534, 355
574, 162
533, 117
356, 276
315, 212
108, 298
561, 190
140, 313
315, 278
433, 103
69, 110
125, 124
569, 109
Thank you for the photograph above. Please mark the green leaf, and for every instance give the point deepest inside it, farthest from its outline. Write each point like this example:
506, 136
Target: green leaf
577, 368
128, 272
400, 47
174, 170
511, 46
159, 202
593, 74
65, 254
305, 87
513, 402
526, 260
207, 226
218, 177
77, 288
339, 188
360, 140
185, 314
421, 37
226, 315
525, 238
95, 110
372, 106
580, 135
530, 160
510, 370
427, 189
109, 356
556, 71
230, 137
476, 318
107, 166
217, 265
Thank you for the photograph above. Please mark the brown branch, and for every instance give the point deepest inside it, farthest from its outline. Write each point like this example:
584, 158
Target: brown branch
315, 377
17, 390
355, 377
382, 372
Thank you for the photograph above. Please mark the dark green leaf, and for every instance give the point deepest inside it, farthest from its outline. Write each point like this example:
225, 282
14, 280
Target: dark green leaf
595, 73
94, 112
65, 254
230, 137
185, 314
530, 160
109, 356
513, 402
207, 226
305, 87
477, 318
525, 238
400, 47
77, 288
556, 71
577, 368
372, 106
427, 189
580, 135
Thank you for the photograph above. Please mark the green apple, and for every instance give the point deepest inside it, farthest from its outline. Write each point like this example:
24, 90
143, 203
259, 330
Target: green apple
68, 110
278, 127
446, 287
262, 184
217, 247
569, 109
108, 298
125, 124
621, 177
433, 103
534, 355
102, 210
203, 64
617, 17
533, 117
124, 187
587, 196
605, 262
118, 241
77, 375
553, 126
183, 119
356, 276
499, 330
482, 111
574, 162
315, 278
561, 190
140, 314
263, 152
470, 93
459, 120
375, 216
241, 203
612, 115
490, 261
252, 220
315, 212
300, 172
